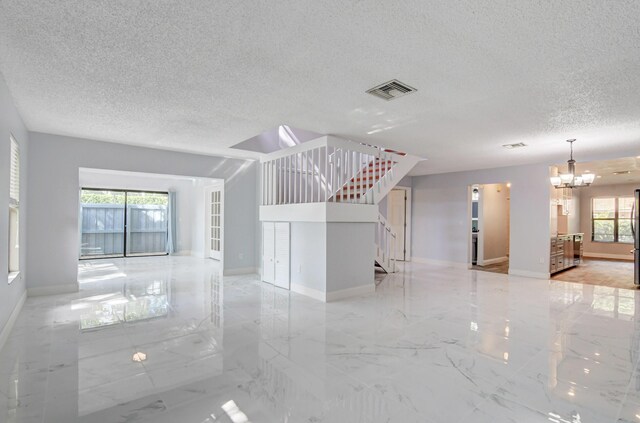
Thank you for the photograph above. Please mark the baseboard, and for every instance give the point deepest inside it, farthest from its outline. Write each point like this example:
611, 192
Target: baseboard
455, 264
52, 290
628, 257
309, 292
8, 327
529, 274
495, 260
182, 253
240, 271
333, 295
350, 292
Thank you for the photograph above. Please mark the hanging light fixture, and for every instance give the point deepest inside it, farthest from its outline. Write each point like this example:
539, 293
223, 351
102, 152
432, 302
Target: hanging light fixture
570, 179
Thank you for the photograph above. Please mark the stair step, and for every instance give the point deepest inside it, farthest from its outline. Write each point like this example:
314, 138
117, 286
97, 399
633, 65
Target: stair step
357, 187
352, 195
399, 153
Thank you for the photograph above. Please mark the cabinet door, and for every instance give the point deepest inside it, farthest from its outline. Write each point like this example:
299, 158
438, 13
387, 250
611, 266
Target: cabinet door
282, 254
268, 252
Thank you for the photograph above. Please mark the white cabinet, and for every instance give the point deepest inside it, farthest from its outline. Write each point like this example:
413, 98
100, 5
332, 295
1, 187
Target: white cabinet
276, 253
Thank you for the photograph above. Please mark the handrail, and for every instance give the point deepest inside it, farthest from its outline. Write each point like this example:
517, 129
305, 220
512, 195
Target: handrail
330, 169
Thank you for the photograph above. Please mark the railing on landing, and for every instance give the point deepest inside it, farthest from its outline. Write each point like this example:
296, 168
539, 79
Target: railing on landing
327, 169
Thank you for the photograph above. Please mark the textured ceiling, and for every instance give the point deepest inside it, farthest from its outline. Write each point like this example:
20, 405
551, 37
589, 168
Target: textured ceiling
606, 170
202, 76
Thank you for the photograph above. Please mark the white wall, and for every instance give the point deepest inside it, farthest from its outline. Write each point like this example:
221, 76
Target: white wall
190, 204
494, 223
603, 249
441, 220
308, 255
53, 196
11, 295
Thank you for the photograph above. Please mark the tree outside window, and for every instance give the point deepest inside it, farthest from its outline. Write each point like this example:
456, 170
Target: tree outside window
611, 219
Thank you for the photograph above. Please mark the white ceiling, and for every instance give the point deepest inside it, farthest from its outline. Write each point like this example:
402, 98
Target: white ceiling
202, 76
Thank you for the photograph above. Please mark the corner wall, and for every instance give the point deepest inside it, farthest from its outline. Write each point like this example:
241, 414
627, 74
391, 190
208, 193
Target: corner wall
53, 196
441, 220
11, 295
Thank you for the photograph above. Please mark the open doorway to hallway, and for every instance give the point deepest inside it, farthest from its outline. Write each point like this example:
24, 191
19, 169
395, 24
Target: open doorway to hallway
489, 227
599, 221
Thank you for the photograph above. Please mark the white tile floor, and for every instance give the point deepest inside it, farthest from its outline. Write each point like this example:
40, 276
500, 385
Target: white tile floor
433, 344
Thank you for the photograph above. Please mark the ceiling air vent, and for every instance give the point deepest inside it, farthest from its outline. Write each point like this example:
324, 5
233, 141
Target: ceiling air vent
391, 89
516, 145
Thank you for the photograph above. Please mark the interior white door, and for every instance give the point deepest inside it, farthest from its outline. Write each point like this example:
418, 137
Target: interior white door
396, 218
268, 252
215, 232
282, 242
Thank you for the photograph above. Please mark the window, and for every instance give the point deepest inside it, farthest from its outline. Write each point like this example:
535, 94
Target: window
14, 207
611, 219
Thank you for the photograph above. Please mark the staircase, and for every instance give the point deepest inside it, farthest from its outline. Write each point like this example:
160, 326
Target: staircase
385, 246
367, 178
333, 170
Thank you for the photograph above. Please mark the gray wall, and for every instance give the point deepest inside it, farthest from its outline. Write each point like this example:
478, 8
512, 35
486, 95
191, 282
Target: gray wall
53, 195
440, 215
350, 253
11, 123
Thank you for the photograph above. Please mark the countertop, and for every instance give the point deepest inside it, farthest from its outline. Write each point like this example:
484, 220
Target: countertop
576, 233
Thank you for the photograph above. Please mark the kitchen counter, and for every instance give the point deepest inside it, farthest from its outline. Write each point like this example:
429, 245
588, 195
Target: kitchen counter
566, 251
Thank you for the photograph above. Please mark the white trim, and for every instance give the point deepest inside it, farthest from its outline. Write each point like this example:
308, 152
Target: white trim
529, 274
309, 292
351, 292
8, 327
610, 256
496, 260
319, 212
240, 271
53, 290
435, 262
326, 297
13, 276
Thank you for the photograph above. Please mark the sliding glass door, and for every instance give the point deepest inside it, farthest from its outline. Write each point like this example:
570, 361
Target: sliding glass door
147, 223
119, 223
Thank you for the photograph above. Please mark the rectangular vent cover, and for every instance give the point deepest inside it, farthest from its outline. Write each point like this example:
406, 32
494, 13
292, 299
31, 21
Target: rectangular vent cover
516, 145
391, 89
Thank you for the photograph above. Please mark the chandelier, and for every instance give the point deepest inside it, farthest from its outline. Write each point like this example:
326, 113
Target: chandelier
570, 179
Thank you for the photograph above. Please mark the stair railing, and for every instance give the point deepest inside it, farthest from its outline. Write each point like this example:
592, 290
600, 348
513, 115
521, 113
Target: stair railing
327, 169
385, 245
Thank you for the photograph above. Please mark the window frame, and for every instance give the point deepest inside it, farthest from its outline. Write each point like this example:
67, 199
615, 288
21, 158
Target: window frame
616, 219
13, 256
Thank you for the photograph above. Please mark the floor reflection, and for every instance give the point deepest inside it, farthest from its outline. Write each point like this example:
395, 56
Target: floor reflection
170, 340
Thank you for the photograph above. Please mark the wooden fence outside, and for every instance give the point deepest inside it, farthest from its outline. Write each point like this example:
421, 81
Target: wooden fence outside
102, 229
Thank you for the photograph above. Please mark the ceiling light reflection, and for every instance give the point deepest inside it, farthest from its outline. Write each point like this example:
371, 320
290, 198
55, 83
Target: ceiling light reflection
234, 412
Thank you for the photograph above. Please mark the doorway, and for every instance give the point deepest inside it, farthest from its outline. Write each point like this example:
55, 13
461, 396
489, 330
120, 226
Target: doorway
399, 218
489, 225
122, 223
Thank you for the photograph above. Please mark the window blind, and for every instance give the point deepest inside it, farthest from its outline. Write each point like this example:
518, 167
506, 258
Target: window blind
14, 178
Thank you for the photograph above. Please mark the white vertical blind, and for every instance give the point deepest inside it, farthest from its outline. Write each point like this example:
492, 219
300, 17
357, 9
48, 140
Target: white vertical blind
14, 178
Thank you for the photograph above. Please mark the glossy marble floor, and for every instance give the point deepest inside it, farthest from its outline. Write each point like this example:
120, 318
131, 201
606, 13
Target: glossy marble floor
168, 340
613, 273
